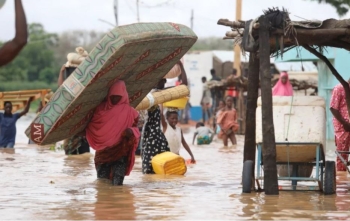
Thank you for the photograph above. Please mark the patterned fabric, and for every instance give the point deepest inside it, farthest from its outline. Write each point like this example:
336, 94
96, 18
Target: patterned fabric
203, 140
142, 118
342, 137
115, 162
154, 141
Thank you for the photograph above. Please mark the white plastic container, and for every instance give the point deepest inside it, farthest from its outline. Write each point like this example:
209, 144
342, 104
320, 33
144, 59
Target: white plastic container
307, 121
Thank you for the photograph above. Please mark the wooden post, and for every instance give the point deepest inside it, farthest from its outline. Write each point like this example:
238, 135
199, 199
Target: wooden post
237, 49
269, 145
250, 121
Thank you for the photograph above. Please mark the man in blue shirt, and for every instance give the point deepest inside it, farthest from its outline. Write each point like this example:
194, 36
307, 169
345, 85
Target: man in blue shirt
8, 124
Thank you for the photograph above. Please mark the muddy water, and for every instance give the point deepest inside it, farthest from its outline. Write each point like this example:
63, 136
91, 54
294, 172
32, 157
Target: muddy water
41, 184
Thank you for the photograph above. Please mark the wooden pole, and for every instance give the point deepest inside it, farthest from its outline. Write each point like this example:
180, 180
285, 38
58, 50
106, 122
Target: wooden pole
237, 50
269, 145
252, 97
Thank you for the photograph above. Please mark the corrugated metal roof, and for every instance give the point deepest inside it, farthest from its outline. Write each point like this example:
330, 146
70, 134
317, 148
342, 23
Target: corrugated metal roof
296, 66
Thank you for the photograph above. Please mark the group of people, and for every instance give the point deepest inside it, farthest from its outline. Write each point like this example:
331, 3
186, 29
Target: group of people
221, 110
115, 145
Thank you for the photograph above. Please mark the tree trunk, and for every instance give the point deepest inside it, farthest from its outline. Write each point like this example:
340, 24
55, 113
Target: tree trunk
250, 118
269, 145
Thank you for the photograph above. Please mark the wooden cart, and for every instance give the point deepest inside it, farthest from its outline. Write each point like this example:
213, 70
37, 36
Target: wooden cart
300, 134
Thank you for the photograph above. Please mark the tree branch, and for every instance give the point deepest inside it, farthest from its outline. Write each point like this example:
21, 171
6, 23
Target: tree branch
334, 72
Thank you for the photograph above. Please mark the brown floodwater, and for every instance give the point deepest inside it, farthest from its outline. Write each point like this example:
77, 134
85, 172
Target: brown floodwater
38, 183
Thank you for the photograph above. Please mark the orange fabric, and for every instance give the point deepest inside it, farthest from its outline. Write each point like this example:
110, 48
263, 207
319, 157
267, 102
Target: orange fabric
227, 119
110, 121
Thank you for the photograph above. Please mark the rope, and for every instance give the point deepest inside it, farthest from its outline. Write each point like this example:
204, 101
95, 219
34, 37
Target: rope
290, 111
286, 137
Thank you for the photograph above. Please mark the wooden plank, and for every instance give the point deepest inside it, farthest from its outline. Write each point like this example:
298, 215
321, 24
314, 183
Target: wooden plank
19, 98
296, 153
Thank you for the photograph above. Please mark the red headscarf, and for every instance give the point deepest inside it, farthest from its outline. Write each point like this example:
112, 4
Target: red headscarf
281, 89
109, 121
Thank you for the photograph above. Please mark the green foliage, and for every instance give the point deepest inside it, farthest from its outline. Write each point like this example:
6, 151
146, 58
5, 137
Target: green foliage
36, 61
24, 85
342, 6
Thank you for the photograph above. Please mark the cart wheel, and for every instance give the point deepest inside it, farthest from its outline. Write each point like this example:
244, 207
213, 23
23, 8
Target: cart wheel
247, 176
329, 182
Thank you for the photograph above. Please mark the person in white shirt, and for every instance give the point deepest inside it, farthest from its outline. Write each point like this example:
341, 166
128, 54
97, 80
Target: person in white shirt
173, 133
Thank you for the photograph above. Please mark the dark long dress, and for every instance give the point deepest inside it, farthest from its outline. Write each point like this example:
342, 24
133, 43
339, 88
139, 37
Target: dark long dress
112, 163
154, 141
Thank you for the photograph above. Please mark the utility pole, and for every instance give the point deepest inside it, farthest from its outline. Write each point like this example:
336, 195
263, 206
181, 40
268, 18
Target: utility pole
192, 19
137, 11
237, 50
116, 11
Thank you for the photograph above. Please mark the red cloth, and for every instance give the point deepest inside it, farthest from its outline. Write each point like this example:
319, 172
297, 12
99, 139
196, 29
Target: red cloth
232, 91
281, 89
342, 137
110, 121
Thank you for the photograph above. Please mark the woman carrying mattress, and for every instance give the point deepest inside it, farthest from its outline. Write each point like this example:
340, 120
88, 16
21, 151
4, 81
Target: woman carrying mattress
114, 134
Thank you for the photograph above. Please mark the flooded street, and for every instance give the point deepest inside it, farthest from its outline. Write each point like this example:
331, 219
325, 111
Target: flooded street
41, 184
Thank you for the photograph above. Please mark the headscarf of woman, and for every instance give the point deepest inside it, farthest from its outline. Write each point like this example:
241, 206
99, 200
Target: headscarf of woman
111, 120
283, 87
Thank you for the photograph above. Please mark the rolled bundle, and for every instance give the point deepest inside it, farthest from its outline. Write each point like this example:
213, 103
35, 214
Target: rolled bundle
175, 71
163, 96
75, 59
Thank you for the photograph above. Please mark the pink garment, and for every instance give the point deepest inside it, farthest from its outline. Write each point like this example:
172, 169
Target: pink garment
342, 137
281, 89
110, 121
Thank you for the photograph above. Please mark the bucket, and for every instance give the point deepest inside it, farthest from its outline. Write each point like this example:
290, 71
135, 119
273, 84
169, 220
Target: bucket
178, 103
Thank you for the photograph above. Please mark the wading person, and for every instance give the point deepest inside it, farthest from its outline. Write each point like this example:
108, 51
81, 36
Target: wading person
227, 121
114, 134
341, 123
77, 144
153, 139
8, 124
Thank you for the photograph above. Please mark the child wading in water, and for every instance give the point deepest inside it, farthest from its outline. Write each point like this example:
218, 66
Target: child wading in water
217, 114
205, 134
227, 120
174, 134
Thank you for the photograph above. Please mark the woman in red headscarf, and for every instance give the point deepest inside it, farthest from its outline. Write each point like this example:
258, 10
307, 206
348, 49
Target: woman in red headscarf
114, 134
283, 87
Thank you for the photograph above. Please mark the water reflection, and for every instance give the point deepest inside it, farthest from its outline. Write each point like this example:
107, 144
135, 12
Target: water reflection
114, 202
